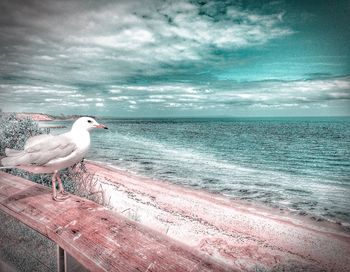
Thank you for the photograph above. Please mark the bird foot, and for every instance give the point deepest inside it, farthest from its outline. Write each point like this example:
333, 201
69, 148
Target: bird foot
63, 193
60, 197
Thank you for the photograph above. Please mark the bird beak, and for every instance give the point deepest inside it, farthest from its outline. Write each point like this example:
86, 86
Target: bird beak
101, 126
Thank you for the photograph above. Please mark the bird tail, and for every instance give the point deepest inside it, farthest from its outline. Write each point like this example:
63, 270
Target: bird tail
13, 159
7, 167
8, 162
12, 152
3, 166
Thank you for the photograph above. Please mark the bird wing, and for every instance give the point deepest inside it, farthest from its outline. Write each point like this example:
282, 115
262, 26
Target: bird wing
39, 150
43, 150
37, 139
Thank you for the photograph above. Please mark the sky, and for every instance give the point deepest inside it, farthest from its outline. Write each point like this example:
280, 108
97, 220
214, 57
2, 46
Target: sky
162, 58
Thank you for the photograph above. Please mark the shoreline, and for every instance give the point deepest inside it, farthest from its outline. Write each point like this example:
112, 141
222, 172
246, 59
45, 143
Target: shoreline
255, 207
245, 236
312, 219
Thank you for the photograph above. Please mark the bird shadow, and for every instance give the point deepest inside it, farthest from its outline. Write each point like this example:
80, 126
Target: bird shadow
32, 191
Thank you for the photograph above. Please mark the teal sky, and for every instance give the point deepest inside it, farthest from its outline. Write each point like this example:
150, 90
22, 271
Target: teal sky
158, 58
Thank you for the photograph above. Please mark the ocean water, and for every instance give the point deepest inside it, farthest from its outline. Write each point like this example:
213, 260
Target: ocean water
296, 164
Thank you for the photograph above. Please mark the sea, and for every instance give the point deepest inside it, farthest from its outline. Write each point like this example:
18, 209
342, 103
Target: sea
301, 165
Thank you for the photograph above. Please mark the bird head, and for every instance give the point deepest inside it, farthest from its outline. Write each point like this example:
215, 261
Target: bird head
87, 123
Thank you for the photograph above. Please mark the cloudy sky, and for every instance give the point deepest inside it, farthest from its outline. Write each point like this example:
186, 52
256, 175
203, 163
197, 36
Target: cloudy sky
159, 58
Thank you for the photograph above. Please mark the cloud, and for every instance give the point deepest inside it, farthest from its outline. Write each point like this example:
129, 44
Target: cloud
190, 96
287, 94
53, 99
152, 56
75, 41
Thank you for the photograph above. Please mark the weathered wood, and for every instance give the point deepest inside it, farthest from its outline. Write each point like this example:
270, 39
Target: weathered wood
98, 238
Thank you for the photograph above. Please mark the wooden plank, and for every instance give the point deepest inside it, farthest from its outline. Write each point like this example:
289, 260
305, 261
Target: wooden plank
98, 238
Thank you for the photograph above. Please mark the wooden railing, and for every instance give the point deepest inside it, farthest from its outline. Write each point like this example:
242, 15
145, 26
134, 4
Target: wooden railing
97, 238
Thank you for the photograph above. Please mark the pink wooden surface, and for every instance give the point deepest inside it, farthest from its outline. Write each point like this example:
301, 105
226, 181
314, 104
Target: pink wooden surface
96, 237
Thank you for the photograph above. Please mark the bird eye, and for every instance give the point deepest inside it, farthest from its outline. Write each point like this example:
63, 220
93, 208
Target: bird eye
89, 121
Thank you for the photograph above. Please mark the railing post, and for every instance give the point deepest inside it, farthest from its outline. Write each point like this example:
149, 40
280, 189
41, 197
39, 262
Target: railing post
61, 260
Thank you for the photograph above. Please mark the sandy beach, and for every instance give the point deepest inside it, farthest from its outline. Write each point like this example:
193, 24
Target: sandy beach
245, 236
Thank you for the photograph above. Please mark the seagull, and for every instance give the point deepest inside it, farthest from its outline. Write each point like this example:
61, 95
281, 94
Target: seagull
48, 153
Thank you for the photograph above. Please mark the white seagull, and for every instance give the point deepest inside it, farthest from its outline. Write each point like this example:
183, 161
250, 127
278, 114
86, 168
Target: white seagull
48, 153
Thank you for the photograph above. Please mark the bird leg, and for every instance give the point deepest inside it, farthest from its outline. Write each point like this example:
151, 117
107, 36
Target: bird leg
54, 193
60, 187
